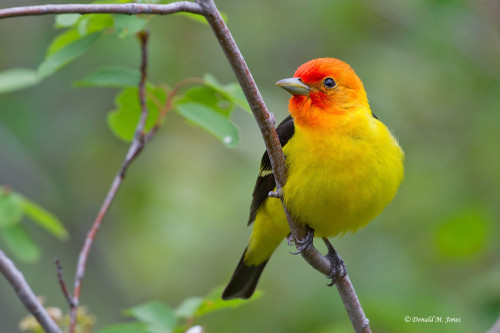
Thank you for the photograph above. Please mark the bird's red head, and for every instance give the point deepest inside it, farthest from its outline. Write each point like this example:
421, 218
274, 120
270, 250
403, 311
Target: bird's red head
324, 86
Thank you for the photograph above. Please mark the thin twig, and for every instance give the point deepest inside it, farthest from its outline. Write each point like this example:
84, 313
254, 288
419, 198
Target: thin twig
143, 38
264, 119
26, 295
266, 124
127, 8
135, 148
60, 278
168, 105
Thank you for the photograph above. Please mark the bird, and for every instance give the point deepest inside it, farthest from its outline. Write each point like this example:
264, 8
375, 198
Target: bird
343, 167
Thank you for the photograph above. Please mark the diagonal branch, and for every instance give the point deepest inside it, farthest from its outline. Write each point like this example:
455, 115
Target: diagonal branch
127, 8
135, 148
26, 295
266, 124
265, 121
140, 140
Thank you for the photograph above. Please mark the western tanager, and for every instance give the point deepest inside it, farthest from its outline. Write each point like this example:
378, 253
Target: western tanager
344, 166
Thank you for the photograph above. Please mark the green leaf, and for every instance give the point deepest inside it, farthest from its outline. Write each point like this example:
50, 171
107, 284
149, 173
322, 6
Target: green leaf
20, 243
231, 92
125, 328
66, 54
17, 79
194, 17
188, 307
211, 121
44, 219
66, 20
129, 25
208, 97
85, 25
13, 206
123, 120
200, 18
11, 209
111, 77
214, 302
92, 23
158, 317
62, 40
237, 96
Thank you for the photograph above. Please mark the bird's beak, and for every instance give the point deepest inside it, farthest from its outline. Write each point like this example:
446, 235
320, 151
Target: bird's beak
294, 86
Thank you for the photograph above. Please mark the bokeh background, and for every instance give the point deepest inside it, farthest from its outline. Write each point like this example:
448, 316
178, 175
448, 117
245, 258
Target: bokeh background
178, 226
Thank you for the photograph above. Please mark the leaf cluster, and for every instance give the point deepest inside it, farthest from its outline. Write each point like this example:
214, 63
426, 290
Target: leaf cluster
208, 104
157, 317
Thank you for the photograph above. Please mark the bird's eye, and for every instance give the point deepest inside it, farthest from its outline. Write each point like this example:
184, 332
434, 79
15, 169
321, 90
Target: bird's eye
329, 82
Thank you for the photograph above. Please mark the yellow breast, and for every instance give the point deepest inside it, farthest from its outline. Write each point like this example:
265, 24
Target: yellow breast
340, 178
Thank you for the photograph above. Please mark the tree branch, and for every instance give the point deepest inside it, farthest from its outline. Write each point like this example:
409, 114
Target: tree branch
62, 283
266, 123
127, 8
26, 295
135, 148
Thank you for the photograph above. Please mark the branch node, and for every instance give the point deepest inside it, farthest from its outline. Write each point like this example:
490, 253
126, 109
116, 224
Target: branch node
205, 7
143, 36
272, 119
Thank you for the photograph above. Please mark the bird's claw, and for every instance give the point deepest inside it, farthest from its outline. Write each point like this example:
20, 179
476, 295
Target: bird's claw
338, 270
276, 194
303, 244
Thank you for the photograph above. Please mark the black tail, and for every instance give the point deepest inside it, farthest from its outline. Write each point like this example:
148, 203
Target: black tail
244, 280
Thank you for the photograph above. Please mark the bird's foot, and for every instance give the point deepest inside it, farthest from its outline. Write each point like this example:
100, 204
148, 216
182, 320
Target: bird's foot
276, 194
338, 270
302, 244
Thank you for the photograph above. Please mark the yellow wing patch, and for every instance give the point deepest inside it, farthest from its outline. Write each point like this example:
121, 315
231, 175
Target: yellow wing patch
265, 172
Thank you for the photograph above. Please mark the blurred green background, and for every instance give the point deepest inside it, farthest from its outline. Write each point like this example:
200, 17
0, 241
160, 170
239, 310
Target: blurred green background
178, 226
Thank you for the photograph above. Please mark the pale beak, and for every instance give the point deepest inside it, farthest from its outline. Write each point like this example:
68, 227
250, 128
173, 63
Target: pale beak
294, 86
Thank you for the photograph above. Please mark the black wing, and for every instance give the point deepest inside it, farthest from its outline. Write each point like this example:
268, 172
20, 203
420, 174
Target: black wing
265, 181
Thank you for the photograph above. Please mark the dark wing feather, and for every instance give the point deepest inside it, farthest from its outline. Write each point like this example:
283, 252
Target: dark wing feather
265, 181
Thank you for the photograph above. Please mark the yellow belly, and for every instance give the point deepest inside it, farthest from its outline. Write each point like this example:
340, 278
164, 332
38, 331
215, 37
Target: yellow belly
336, 183
340, 183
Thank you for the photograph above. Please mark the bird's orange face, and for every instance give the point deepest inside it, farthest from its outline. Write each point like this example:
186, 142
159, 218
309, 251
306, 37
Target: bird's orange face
321, 87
